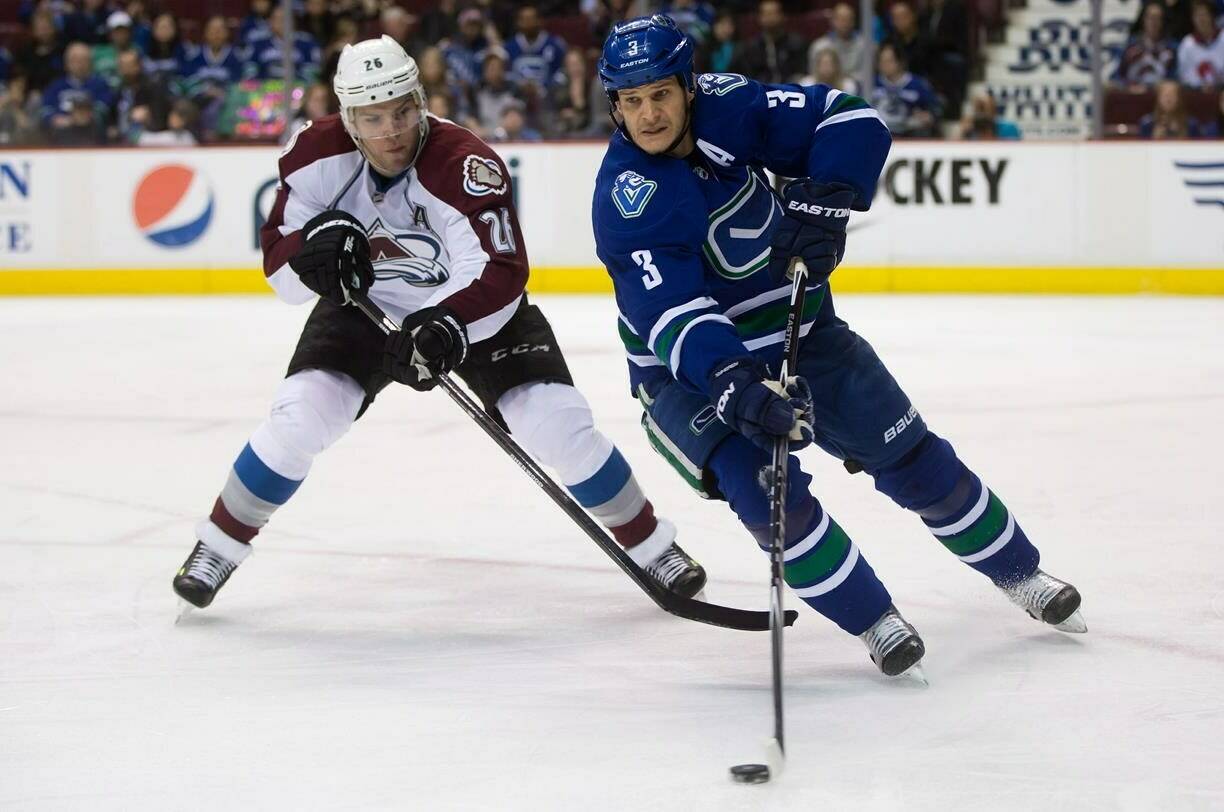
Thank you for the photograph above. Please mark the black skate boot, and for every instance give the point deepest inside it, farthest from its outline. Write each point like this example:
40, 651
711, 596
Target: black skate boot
894, 646
675, 571
666, 564
1049, 600
205, 571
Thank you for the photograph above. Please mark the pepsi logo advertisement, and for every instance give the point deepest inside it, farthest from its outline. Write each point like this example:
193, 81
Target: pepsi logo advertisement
173, 205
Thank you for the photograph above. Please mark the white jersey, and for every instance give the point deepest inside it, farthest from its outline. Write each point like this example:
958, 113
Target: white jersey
445, 233
1201, 64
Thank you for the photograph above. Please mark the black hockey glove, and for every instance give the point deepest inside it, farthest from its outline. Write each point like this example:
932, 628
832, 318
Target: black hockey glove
814, 229
758, 408
335, 257
430, 342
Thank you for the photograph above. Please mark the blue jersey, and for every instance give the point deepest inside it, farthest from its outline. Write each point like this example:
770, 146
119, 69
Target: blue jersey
538, 61
267, 61
687, 241
898, 101
203, 68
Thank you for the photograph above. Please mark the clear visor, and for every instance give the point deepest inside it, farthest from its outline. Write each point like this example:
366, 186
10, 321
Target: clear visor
388, 121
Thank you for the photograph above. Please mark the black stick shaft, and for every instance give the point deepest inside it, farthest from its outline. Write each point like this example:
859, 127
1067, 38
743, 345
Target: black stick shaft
777, 501
680, 606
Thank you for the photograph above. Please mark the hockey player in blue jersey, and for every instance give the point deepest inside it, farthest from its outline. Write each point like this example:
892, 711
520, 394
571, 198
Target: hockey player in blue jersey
699, 248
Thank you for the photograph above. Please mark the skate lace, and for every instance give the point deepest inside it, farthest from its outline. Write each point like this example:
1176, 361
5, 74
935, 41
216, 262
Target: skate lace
1035, 591
667, 567
209, 568
886, 634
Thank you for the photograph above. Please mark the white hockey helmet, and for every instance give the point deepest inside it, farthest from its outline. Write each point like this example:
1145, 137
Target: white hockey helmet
375, 71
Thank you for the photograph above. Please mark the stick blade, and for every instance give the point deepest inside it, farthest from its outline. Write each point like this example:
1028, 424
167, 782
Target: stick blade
775, 757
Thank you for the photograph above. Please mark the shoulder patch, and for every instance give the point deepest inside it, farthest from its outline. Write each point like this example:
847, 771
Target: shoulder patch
631, 192
482, 176
720, 84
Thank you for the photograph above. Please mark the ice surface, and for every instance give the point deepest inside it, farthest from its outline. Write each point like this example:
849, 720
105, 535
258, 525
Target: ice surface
420, 628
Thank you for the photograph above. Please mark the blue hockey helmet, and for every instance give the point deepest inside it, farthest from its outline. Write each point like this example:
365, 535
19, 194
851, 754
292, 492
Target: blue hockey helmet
644, 50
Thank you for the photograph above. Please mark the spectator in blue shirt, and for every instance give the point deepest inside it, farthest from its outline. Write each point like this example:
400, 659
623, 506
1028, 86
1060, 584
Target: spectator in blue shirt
254, 26
209, 72
80, 98
267, 60
905, 102
463, 54
166, 55
88, 25
60, 11
536, 56
215, 64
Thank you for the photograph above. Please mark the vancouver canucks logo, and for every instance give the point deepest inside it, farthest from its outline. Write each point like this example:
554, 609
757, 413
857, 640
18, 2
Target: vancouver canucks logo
414, 257
631, 192
720, 84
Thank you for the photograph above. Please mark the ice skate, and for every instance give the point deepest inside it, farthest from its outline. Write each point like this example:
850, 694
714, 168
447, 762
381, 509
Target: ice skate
666, 563
206, 570
895, 646
1049, 600
677, 572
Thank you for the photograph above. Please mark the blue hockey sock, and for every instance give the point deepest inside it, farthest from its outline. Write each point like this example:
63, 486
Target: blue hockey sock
822, 564
982, 532
961, 512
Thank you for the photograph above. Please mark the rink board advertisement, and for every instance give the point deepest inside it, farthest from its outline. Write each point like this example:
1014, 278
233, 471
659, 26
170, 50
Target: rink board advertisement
946, 217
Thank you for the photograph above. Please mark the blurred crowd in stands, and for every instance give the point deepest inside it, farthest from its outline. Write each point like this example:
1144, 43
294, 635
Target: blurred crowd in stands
1173, 65
177, 72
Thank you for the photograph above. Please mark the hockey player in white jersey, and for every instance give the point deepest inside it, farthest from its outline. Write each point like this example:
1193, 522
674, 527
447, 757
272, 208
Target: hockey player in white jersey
417, 212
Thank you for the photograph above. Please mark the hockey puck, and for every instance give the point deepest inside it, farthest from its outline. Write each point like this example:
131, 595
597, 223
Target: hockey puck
750, 773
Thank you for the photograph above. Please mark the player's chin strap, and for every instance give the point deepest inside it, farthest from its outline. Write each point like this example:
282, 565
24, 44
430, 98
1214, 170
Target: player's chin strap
668, 601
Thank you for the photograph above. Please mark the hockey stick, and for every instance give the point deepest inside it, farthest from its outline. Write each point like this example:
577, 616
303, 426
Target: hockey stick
777, 510
688, 608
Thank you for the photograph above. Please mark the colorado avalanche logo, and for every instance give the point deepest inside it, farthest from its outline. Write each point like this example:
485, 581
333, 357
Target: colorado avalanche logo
482, 176
631, 192
413, 257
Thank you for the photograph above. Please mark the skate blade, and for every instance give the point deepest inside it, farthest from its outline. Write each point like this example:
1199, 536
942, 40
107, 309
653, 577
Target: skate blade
914, 674
1073, 625
184, 609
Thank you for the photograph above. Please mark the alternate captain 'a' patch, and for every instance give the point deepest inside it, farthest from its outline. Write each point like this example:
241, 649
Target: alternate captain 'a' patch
631, 192
482, 176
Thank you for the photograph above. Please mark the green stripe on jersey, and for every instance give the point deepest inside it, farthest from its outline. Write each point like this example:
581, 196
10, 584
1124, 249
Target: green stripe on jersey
771, 318
843, 103
632, 342
821, 561
981, 533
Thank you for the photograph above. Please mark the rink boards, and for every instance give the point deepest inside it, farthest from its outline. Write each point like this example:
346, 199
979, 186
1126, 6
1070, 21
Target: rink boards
947, 217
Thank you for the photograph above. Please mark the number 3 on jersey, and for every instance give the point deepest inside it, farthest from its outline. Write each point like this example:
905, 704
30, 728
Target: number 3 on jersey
652, 278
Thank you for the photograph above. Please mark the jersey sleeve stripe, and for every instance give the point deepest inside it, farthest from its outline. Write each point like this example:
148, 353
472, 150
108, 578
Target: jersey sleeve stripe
844, 102
833, 94
674, 356
670, 315
849, 115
